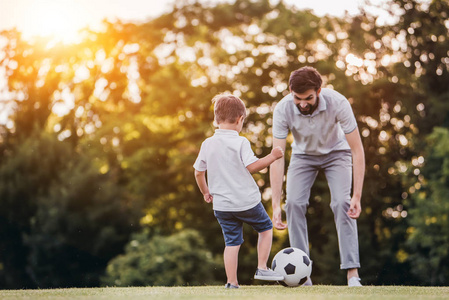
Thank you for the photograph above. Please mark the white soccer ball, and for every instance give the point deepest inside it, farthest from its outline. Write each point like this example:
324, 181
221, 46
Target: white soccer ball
294, 265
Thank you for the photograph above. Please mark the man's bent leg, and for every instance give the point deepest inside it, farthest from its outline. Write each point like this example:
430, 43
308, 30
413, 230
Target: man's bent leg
338, 171
300, 177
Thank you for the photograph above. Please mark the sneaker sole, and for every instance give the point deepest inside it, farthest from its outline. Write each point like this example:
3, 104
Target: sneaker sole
268, 278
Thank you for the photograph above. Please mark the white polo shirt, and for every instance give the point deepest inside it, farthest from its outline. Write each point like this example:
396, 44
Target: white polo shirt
225, 156
319, 133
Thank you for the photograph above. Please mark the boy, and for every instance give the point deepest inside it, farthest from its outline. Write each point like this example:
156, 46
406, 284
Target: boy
236, 198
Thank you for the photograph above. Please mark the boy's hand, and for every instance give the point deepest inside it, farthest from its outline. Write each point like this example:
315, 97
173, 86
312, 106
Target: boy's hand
277, 152
208, 198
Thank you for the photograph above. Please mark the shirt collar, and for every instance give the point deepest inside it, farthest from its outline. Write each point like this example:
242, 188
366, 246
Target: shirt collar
226, 132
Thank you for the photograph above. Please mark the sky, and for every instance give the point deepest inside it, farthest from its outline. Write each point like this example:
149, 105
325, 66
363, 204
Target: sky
66, 17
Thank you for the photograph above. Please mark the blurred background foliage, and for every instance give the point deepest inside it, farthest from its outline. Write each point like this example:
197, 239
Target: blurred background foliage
96, 153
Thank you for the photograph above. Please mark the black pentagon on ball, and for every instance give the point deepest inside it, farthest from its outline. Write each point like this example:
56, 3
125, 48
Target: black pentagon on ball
303, 280
288, 250
273, 264
306, 260
290, 269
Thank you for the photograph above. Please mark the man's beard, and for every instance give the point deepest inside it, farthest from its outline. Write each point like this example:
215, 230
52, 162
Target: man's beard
309, 109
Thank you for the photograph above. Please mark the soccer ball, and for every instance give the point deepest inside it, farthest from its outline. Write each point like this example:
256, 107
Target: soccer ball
294, 265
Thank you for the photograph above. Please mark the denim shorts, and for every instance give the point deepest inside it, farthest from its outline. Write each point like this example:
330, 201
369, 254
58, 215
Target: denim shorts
231, 223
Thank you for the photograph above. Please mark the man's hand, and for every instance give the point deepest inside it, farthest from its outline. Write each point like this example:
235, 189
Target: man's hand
277, 219
355, 208
358, 168
208, 198
277, 152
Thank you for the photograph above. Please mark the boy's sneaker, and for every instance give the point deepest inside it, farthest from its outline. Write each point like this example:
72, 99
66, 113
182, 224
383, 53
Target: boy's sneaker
354, 281
268, 274
231, 286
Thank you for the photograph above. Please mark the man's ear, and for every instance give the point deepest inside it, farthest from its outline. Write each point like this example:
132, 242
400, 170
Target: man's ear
240, 119
318, 92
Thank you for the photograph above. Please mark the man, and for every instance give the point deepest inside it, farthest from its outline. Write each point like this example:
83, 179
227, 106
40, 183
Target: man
326, 138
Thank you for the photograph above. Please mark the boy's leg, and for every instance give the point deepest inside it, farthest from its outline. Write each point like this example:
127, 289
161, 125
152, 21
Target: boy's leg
258, 218
231, 254
233, 235
264, 248
263, 252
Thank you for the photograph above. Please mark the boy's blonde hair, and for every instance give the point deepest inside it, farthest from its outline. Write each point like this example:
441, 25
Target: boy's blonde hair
228, 108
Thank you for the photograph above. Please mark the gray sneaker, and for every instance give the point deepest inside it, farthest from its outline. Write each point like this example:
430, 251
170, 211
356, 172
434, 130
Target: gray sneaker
354, 281
268, 274
231, 286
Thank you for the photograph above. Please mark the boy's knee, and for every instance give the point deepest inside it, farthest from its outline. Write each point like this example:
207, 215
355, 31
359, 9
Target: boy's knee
232, 247
266, 233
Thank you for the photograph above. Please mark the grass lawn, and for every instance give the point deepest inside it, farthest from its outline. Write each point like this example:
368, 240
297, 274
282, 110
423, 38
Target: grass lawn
256, 292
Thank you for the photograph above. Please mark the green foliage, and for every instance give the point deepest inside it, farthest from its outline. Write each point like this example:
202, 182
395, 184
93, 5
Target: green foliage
70, 219
26, 174
82, 222
179, 259
428, 239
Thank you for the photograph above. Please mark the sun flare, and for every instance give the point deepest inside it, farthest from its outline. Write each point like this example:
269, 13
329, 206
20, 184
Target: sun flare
60, 19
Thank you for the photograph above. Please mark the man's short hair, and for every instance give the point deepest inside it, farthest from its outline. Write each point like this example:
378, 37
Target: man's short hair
304, 79
228, 108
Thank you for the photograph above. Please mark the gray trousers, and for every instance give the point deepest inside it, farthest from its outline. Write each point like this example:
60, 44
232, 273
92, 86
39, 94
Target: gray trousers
301, 175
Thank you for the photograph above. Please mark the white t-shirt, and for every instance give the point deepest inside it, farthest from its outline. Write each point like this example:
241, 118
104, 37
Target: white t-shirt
225, 156
320, 133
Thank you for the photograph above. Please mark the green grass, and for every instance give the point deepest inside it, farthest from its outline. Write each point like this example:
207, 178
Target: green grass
318, 292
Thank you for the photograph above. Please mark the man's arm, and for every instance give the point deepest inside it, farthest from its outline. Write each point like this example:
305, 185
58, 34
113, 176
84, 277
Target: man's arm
358, 166
200, 177
262, 163
276, 181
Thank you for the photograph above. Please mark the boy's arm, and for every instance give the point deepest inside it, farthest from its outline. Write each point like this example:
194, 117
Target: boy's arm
264, 162
200, 177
